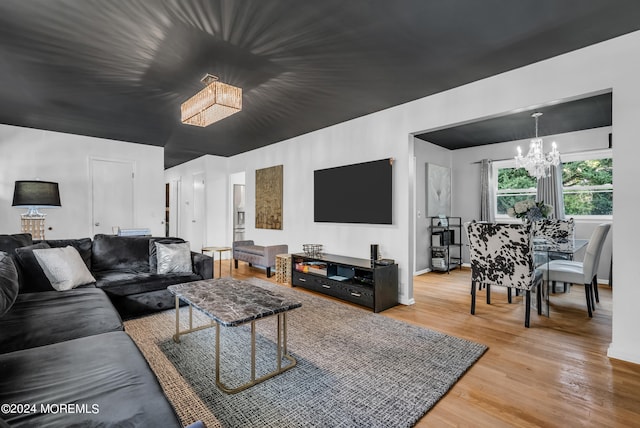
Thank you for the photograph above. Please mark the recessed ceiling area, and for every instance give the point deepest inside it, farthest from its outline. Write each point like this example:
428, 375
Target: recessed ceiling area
558, 118
120, 69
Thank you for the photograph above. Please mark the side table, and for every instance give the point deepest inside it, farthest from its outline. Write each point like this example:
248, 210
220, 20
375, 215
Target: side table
218, 250
283, 268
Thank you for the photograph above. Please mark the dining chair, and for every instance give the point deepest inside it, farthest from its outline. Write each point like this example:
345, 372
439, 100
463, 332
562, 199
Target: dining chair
502, 254
585, 272
554, 230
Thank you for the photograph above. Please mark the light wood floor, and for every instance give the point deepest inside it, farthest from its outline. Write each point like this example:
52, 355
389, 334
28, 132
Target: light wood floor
553, 374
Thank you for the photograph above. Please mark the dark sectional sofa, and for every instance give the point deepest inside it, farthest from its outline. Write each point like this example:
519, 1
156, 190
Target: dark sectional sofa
65, 359
124, 268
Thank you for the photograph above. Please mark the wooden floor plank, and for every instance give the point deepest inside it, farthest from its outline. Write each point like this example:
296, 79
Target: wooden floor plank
554, 374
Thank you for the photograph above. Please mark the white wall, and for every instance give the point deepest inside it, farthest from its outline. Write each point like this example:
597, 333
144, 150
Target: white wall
610, 65
424, 153
27, 154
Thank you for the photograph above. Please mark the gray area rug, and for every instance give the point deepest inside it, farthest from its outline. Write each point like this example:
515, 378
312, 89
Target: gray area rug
355, 368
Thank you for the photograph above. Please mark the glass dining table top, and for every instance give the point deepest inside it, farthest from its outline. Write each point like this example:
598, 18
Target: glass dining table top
568, 246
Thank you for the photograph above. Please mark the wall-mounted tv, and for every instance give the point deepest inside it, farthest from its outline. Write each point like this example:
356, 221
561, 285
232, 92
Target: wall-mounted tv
358, 193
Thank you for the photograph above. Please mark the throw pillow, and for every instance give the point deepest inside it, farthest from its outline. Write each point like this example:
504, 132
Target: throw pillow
8, 283
33, 278
153, 253
174, 258
63, 267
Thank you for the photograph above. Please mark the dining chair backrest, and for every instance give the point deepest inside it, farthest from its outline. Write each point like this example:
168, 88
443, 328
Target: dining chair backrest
594, 249
501, 254
554, 229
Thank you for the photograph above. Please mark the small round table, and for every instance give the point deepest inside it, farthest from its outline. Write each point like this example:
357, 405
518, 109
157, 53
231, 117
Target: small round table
218, 250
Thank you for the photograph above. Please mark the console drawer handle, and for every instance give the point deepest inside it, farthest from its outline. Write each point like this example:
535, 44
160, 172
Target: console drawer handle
356, 294
302, 280
326, 286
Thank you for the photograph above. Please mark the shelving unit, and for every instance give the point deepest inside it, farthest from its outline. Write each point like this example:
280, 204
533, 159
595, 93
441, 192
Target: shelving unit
446, 243
347, 278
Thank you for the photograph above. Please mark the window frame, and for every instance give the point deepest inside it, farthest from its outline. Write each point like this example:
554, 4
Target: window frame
568, 157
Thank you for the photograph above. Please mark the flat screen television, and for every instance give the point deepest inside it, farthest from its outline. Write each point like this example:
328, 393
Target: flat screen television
358, 193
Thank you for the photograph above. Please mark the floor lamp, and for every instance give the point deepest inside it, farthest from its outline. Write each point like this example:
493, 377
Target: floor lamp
34, 195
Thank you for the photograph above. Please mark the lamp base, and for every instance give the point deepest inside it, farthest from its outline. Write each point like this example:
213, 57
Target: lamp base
33, 224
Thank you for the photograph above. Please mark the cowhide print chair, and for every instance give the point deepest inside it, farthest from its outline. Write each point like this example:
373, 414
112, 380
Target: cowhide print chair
554, 230
502, 254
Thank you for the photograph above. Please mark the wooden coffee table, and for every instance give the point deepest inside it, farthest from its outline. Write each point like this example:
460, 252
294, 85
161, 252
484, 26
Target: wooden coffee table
230, 303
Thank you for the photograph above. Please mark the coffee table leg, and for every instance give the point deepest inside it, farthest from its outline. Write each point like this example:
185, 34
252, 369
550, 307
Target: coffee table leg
281, 352
176, 337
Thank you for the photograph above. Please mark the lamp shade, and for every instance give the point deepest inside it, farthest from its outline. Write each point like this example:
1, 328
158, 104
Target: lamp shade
36, 194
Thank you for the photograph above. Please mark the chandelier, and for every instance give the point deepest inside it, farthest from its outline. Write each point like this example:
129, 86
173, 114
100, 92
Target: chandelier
537, 163
215, 102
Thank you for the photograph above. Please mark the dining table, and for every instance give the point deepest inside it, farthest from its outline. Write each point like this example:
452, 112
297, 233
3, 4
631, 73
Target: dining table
545, 250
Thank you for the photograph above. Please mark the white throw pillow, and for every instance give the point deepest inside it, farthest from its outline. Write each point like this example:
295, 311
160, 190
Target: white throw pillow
63, 267
174, 258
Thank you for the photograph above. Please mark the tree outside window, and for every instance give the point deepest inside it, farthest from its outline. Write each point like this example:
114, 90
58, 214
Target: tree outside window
587, 187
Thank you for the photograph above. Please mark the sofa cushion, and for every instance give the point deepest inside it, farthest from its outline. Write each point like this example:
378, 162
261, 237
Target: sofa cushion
42, 318
252, 249
9, 286
8, 243
125, 283
174, 258
32, 275
105, 375
120, 253
153, 251
63, 267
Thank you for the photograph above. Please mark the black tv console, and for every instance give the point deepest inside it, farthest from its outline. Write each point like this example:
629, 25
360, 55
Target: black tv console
347, 278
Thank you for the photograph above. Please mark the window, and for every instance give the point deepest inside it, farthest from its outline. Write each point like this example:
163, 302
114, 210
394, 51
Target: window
587, 184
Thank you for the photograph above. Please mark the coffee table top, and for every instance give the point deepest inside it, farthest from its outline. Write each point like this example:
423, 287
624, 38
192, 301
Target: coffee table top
232, 302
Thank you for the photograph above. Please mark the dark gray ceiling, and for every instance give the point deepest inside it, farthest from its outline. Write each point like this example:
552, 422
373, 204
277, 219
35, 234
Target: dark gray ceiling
120, 69
577, 115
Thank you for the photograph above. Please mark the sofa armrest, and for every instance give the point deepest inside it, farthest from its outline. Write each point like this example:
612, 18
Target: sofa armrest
271, 251
202, 265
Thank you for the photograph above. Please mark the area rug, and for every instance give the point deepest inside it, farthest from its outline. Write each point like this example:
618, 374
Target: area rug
355, 368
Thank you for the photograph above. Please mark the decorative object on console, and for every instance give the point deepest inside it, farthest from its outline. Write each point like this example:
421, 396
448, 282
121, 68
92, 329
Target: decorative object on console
33, 195
215, 102
537, 163
269, 198
374, 253
313, 250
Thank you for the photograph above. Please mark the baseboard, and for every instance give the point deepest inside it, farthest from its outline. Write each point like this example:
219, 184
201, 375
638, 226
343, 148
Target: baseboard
631, 356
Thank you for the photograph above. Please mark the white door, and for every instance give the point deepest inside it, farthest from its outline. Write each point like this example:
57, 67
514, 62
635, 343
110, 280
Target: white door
111, 195
198, 229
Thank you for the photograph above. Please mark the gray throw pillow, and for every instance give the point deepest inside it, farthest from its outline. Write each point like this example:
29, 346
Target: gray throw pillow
8, 283
63, 267
153, 252
174, 258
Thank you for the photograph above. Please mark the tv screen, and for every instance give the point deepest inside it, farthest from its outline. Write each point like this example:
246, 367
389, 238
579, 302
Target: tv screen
359, 193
